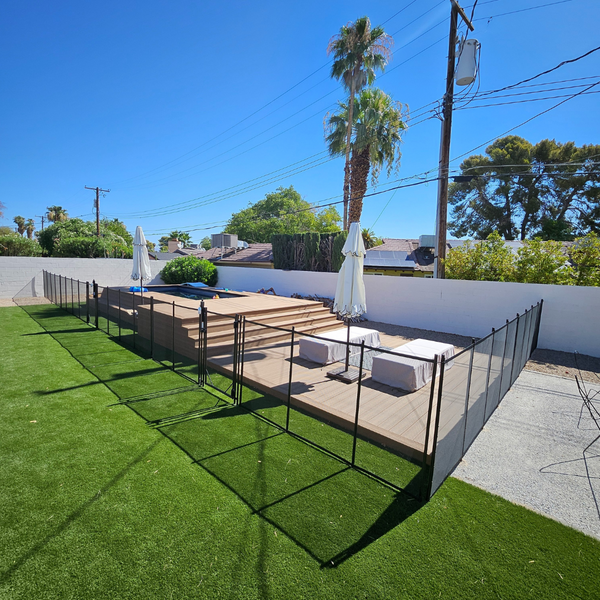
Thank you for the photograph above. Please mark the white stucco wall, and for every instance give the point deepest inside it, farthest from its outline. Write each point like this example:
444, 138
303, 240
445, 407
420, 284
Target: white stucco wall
570, 318
22, 275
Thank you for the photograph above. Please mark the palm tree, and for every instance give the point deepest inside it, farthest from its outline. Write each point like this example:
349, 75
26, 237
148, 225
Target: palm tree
20, 223
30, 227
57, 213
377, 126
357, 52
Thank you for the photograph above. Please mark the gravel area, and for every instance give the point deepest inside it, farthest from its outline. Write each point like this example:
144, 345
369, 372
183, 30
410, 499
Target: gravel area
22, 301
531, 452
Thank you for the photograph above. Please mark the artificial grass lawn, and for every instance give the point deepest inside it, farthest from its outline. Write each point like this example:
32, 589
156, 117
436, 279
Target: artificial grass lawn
95, 503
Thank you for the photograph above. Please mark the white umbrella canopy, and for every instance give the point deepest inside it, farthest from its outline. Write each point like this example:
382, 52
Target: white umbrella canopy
141, 262
350, 297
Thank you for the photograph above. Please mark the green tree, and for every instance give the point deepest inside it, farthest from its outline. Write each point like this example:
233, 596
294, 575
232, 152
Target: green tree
206, 243
4, 230
57, 214
188, 269
358, 51
549, 190
30, 227
75, 237
182, 236
281, 212
585, 256
377, 127
20, 223
540, 261
370, 240
15, 245
488, 260
118, 228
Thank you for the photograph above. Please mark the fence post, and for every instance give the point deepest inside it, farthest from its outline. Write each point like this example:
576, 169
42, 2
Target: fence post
107, 289
487, 377
200, 342
72, 298
537, 324
119, 317
437, 422
358, 390
235, 351
152, 327
512, 366
503, 359
468, 392
133, 317
96, 300
60, 289
79, 299
243, 346
428, 427
173, 338
289, 394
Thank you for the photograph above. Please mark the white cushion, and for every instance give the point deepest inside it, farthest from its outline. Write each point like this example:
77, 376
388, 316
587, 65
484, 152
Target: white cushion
331, 346
410, 374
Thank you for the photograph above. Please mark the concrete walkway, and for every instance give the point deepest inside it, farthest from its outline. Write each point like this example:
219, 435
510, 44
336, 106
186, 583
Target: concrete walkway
531, 452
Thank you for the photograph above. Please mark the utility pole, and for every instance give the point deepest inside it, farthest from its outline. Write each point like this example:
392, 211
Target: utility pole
97, 206
442, 204
42, 217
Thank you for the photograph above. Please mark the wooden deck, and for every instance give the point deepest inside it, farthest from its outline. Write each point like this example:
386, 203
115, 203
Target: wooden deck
387, 416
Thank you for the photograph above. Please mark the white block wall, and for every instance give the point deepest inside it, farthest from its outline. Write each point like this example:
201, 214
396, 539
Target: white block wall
22, 275
570, 318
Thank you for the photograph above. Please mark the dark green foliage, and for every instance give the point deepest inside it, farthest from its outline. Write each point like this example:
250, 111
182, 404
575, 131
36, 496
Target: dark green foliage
15, 245
188, 269
92, 247
549, 189
77, 238
308, 251
281, 212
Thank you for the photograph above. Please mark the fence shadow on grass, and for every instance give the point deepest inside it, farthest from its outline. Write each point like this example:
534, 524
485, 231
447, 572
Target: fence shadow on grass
328, 509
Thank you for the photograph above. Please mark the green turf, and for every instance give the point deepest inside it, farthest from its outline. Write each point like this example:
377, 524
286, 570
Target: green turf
176, 494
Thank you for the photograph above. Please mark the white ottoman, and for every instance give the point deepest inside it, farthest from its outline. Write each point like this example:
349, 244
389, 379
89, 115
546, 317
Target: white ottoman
407, 373
330, 347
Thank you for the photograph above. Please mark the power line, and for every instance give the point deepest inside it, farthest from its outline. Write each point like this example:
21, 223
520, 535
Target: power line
514, 12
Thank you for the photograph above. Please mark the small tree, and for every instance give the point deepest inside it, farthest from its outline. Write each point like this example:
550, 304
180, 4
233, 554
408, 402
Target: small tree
20, 223
189, 269
30, 227
542, 262
585, 255
206, 243
488, 260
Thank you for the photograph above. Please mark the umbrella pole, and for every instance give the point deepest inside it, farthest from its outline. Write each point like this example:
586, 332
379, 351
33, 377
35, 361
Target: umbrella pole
348, 347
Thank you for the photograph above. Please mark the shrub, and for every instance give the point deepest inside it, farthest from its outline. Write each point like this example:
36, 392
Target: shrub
189, 269
15, 245
91, 247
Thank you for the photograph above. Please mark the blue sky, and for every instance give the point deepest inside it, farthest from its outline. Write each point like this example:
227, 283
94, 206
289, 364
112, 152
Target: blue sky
175, 104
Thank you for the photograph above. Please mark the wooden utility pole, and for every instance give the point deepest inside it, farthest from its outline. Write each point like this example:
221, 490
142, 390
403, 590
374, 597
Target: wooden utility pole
42, 217
97, 206
442, 205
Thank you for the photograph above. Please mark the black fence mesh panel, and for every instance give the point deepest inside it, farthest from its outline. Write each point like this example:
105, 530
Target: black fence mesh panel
477, 390
493, 392
511, 330
451, 420
220, 363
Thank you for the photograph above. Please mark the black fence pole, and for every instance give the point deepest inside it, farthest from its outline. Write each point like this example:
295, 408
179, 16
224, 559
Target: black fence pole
242, 353
200, 344
87, 302
205, 344
487, 377
133, 318
537, 324
152, 327
173, 339
119, 314
426, 466
289, 394
468, 392
530, 331
96, 300
72, 298
107, 290
503, 359
60, 289
235, 351
359, 388
512, 366
79, 299
437, 423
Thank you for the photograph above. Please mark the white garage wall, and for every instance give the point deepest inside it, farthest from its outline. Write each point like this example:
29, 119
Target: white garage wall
570, 318
22, 275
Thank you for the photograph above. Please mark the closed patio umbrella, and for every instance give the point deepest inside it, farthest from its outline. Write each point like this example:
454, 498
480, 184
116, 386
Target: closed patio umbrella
141, 262
350, 297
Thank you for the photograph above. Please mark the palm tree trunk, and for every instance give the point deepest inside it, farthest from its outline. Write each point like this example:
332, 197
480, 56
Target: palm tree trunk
347, 165
361, 165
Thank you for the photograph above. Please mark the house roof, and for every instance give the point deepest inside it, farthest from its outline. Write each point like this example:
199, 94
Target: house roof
254, 253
